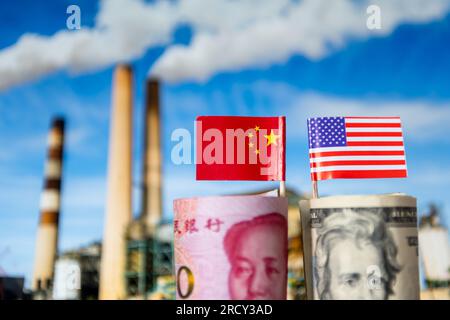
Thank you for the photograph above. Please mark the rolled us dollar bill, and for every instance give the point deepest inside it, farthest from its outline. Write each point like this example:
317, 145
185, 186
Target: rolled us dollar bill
361, 247
231, 247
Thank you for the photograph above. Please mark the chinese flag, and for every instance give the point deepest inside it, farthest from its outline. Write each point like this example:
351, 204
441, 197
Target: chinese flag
240, 148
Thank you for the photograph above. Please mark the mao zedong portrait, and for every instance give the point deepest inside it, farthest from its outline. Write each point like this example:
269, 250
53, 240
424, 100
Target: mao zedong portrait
355, 257
257, 252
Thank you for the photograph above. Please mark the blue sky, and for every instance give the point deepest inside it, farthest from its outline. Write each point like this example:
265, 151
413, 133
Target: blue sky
403, 71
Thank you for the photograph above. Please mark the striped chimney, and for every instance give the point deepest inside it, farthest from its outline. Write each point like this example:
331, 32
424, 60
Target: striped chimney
118, 202
47, 236
152, 199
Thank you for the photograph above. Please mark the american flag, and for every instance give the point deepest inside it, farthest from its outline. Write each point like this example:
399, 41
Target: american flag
356, 147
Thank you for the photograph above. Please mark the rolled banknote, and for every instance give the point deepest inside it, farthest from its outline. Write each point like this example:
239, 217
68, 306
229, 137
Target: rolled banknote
231, 247
361, 247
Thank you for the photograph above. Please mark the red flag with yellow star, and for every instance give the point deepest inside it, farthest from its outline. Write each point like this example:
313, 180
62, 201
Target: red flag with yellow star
240, 148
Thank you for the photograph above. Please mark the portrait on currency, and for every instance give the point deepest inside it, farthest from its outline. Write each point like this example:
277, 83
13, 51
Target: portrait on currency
231, 247
360, 249
355, 256
257, 252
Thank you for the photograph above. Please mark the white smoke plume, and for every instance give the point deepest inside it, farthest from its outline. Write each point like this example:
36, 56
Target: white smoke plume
312, 28
123, 31
228, 35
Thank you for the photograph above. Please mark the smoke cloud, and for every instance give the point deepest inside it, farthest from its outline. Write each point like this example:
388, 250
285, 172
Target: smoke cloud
228, 35
312, 28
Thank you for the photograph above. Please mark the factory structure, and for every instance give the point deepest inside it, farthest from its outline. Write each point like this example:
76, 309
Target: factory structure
134, 258
47, 235
135, 255
435, 255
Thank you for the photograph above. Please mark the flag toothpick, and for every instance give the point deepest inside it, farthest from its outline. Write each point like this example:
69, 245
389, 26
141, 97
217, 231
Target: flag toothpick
282, 191
315, 190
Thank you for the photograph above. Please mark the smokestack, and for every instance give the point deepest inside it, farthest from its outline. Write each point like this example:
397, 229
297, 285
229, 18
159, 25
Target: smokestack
152, 202
118, 203
47, 236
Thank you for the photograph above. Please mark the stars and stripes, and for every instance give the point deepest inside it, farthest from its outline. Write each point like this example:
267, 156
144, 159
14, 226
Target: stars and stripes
356, 147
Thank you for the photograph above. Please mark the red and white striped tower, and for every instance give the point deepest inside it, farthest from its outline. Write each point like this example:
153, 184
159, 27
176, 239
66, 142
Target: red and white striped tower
47, 236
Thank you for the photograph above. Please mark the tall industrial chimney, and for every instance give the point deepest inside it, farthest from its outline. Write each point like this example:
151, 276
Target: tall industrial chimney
152, 200
118, 203
47, 235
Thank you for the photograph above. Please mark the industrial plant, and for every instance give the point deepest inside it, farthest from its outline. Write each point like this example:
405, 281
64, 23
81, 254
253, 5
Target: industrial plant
135, 255
134, 258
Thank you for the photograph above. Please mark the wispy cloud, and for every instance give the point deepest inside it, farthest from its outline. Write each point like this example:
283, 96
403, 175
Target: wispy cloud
423, 120
310, 28
123, 30
228, 35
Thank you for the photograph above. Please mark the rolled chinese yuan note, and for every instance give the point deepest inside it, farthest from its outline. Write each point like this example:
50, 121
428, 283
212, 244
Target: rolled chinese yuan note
231, 247
361, 247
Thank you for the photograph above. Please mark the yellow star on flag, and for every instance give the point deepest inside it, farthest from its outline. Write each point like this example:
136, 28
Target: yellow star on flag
251, 144
257, 151
271, 138
257, 128
250, 135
